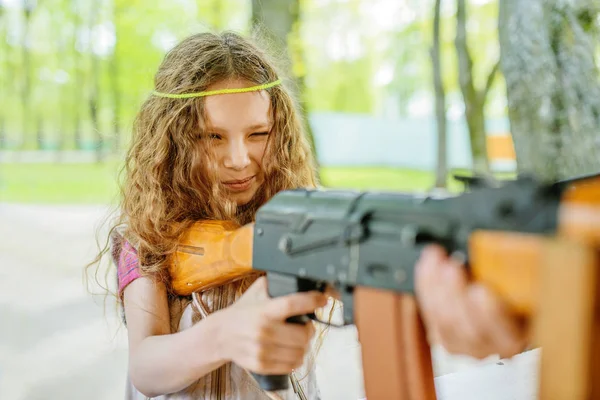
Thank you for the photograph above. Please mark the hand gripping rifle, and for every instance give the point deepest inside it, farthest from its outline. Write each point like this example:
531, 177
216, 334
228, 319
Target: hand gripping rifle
535, 245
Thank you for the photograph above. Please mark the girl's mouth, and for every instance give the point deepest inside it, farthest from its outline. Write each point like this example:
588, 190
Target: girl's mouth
239, 185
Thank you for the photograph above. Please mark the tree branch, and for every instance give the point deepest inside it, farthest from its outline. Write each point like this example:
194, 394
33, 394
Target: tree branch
490, 81
465, 63
440, 100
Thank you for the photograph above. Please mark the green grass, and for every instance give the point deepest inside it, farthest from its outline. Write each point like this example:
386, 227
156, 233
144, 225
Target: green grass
97, 183
58, 183
381, 178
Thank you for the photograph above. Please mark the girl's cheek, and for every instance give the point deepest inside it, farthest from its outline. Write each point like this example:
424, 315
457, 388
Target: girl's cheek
259, 151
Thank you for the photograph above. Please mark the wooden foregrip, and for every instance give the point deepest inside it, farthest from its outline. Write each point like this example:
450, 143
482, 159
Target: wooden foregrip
509, 265
210, 254
396, 357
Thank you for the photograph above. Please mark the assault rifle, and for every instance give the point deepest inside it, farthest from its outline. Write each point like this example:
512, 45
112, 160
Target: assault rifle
536, 245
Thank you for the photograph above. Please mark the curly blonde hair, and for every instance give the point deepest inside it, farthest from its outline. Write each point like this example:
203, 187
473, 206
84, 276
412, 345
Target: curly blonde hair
169, 177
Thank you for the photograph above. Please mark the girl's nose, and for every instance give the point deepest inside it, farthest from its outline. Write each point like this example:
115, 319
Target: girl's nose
238, 156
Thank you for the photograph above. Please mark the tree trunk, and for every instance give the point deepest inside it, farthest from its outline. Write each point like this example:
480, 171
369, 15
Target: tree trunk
474, 99
5, 82
28, 7
440, 101
94, 99
40, 132
62, 55
280, 21
547, 53
114, 83
79, 83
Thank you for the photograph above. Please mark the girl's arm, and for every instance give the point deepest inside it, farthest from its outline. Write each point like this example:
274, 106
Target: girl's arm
161, 362
252, 333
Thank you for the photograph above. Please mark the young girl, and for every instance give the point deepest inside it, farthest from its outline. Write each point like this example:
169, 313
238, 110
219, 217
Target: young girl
217, 139
200, 151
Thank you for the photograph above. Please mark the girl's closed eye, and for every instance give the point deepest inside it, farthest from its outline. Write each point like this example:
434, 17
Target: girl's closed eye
259, 134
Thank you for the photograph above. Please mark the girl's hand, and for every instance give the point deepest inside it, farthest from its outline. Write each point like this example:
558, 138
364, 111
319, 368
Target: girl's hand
255, 335
464, 317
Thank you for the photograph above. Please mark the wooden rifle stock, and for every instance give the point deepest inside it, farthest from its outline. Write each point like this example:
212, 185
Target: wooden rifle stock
211, 254
552, 281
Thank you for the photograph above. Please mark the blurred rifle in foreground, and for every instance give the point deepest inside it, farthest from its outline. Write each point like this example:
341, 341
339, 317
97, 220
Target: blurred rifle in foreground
536, 245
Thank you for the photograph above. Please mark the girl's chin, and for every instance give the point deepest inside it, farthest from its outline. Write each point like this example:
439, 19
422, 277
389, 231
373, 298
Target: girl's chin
243, 199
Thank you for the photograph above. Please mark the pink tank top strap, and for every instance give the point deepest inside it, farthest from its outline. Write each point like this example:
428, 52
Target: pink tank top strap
128, 266
126, 259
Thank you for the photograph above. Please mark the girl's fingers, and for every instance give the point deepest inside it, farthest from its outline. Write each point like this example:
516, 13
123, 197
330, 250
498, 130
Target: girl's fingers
427, 283
451, 311
457, 331
272, 359
506, 335
288, 335
272, 368
301, 303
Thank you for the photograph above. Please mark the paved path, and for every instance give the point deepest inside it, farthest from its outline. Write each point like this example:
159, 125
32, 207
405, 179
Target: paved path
59, 342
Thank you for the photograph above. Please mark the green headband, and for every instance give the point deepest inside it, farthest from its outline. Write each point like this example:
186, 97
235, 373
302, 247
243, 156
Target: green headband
219, 91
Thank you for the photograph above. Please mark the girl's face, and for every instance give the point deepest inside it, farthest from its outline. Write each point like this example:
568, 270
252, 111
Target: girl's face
238, 126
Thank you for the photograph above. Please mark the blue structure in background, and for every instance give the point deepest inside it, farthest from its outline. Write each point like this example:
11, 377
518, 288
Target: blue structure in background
363, 140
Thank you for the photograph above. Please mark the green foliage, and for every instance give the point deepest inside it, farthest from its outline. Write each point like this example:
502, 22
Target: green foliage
352, 61
63, 42
410, 54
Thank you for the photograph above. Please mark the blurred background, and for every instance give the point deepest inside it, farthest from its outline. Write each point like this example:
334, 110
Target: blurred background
397, 95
